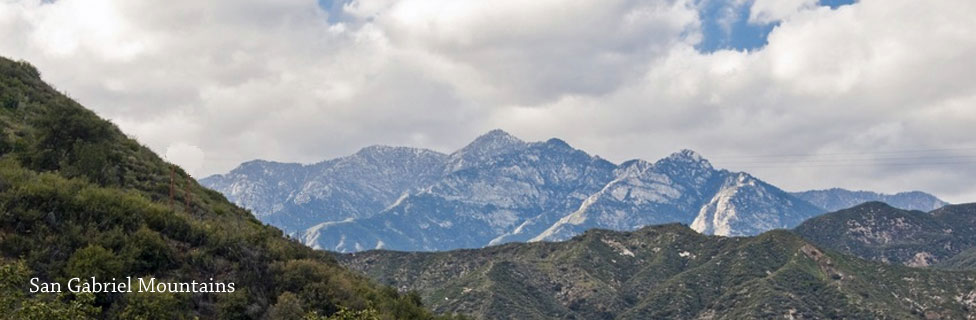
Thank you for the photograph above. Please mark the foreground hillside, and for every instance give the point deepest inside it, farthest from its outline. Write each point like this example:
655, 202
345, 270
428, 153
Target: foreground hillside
80, 199
877, 231
670, 272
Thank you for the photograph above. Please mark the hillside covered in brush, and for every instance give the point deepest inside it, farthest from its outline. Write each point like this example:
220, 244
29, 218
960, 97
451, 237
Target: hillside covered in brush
670, 272
79, 199
877, 231
965, 260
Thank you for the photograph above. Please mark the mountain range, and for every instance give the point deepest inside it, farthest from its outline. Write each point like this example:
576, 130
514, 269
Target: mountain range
837, 199
500, 189
670, 272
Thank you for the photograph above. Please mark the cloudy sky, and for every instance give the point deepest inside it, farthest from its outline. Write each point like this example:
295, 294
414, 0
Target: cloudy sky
874, 94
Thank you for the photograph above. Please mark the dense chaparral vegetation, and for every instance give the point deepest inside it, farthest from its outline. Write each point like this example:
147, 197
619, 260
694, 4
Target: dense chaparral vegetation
878, 231
78, 198
671, 272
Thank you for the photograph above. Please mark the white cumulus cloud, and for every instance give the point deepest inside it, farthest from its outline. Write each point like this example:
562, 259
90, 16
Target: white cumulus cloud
290, 81
188, 157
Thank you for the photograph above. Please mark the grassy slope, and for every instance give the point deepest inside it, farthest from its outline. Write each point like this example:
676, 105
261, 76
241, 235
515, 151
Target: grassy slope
79, 198
674, 273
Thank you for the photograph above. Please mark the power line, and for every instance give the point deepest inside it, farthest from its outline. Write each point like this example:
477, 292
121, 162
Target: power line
802, 155
923, 157
878, 164
854, 160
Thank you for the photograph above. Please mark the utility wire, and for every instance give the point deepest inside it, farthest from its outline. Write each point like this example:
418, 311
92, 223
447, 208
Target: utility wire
954, 157
785, 165
855, 160
801, 155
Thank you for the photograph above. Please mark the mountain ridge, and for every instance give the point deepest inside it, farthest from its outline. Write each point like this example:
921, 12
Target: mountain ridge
834, 199
499, 189
878, 231
667, 271
305, 195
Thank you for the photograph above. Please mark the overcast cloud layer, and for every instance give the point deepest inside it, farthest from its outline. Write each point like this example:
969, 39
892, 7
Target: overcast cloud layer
859, 90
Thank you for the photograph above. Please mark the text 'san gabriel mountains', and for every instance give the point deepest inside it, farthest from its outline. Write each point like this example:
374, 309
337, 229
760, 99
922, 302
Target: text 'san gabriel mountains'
501, 189
79, 199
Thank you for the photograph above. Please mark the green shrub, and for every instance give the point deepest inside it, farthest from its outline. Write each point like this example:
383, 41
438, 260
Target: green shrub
148, 253
287, 307
94, 261
153, 305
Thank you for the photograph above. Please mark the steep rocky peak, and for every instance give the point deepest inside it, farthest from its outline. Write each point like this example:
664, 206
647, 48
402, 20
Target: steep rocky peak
494, 141
483, 147
633, 167
686, 158
686, 166
743, 178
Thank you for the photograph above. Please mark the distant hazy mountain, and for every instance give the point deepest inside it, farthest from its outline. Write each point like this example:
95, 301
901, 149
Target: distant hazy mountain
500, 189
668, 272
294, 197
495, 187
836, 199
881, 232
683, 188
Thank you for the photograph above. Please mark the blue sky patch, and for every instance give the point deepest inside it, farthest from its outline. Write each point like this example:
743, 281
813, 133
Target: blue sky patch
725, 25
833, 4
334, 8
